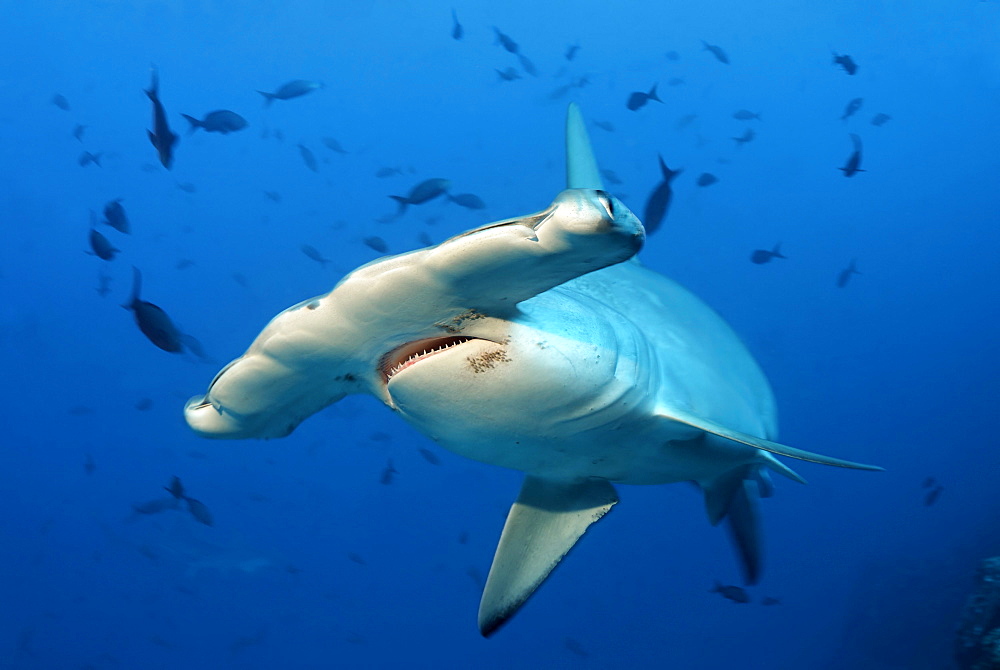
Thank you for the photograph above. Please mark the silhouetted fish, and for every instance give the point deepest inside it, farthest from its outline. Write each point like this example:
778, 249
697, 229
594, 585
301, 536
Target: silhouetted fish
706, 179
114, 216
153, 321
429, 456
78, 131
384, 172
308, 157
60, 101
199, 511
423, 192
220, 121
605, 125
761, 256
144, 404
468, 200
846, 62
735, 593
747, 136
187, 187
388, 472
933, 495
333, 145
527, 65
508, 74
880, 119
162, 138
86, 158
574, 647
292, 89
101, 246
376, 243
637, 100
313, 253
457, 31
155, 506
89, 465
853, 164
505, 41
746, 115
768, 601
103, 284
852, 107
571, 51
659, 200
719, 54
845, 274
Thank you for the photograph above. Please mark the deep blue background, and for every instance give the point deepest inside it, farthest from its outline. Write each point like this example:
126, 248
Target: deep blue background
313, 563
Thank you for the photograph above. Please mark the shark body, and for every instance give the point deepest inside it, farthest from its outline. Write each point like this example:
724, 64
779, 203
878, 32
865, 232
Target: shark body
540, 344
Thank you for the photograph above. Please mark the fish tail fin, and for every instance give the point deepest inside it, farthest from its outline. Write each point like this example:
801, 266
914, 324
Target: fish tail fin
402, 201
668, 174
652, 93
776, 252
195, 123
268, 97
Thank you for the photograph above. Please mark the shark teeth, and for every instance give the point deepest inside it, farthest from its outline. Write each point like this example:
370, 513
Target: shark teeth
403, 357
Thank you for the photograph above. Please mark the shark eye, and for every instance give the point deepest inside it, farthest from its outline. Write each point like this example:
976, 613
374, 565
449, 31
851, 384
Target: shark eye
607, 202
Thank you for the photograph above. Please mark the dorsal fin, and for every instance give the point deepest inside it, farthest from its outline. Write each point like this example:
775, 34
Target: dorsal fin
581, 165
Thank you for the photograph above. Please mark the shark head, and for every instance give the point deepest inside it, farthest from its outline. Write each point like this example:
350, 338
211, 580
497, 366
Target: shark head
447, 303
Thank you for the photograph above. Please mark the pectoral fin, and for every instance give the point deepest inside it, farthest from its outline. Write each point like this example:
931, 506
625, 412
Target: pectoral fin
543, 525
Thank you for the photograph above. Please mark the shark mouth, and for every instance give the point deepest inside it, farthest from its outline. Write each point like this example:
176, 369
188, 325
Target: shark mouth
412, 353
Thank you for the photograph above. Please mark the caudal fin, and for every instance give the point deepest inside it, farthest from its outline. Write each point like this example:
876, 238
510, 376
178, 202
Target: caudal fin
195, 123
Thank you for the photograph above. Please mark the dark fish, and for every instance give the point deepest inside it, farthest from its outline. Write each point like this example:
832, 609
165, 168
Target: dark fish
706, 179
220, 121
308, 158
333, 145
611, 177
505, 41
638, 99
187, 187
716, 51
376, 243
89, 465
175, 487
571, 51
114, 216
60, 101
423, 192
101, 246
153, 321
356, 558
853, 164
387, 473
747, 136
86, 158
574, 647
527, 65
425, 239
852, 107
468, 200
845, 274
384, 172
880, 119
735, 593
103, 284
241, 279
313, 253
746, 115
761, 256
508, 74
78, 131
457, 31
144, 404
933, 495
659, 200
199, 511
162, 138
273, 195
769, 601
430, 456
605, 125
846, 62
155, 506
292, 89
194, 346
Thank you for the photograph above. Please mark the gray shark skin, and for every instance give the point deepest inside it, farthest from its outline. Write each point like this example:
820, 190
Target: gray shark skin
539, 344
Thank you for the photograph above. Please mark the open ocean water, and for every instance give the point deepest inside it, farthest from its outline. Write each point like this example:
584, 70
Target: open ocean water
358, 542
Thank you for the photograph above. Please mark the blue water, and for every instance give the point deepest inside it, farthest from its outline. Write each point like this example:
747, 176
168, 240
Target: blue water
311, 561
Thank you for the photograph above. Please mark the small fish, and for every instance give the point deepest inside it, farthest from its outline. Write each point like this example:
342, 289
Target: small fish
114, 216
845, 274
846, 62
78, 131
746, 115
175, 487
719, 54
356, 558
144, 404
606, 126
273, 195
468, 200
89, 465
333, 145
761, 256
735, 593
933, 495
457, 31
853, 106
706, 179
153, 321
308, 157
376, 243
161, 137
880, 119
505, 41
199, 511
241, 279
659, 200
384, 172
187, 187
313, 253
86, 158
768, 601
527, 65
853, 164
611, 176
574, 647
101, 246
423, 192
292, 89
571, 51
429, 456
60, 101
184, 264
637, 100
220, 121
508, 74
387, 473
747, 136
